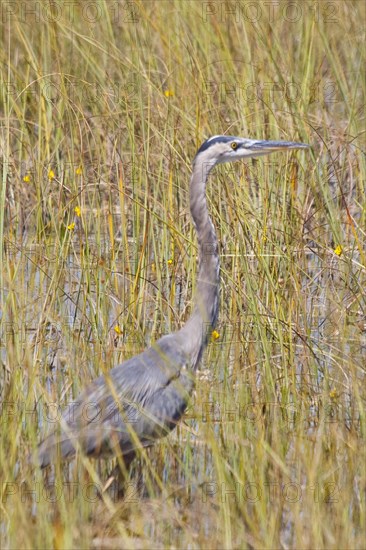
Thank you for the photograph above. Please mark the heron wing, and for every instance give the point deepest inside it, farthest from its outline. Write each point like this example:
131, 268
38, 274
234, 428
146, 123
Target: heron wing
133, 404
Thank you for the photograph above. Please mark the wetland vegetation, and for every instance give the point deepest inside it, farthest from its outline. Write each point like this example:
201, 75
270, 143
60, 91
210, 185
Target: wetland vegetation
103, 105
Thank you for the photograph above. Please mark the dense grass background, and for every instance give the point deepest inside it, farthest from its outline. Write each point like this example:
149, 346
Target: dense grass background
103, 105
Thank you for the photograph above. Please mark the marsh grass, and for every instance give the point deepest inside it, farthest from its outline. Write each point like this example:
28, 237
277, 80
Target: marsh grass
102, 111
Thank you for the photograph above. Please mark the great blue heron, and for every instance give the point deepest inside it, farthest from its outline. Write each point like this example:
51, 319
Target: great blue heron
143, 398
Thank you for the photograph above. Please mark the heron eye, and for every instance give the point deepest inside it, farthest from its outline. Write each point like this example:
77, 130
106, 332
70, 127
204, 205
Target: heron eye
234, 145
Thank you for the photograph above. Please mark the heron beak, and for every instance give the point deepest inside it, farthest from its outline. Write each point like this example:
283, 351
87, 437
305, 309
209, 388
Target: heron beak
271, 146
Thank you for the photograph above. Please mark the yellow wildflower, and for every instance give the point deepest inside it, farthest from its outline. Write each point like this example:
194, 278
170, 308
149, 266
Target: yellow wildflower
333, 394
118, 330
77, 211
26, 178
338, 250
79, 171
170, 261
71, 226
51, 174
215, 336
168, 93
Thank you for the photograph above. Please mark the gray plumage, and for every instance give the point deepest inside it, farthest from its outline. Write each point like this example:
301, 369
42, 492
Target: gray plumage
142, 399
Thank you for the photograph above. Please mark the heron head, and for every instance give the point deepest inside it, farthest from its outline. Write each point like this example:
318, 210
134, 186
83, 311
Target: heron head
219, 149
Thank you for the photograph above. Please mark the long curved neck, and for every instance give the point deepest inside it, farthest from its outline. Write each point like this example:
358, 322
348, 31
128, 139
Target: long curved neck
203, 319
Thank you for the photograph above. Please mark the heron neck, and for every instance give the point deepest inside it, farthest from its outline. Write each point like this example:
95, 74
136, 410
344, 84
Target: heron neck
206, 303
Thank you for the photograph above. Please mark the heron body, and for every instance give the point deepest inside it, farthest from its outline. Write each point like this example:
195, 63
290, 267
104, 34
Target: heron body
143, 398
